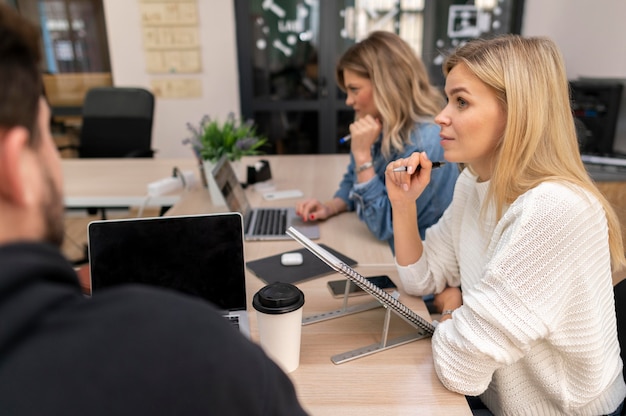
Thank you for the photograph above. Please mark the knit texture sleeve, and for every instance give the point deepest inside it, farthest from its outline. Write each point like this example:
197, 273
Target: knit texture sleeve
539, 318
438, 267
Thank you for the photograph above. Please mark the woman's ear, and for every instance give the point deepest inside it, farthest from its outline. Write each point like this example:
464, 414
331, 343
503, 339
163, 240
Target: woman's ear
13, 172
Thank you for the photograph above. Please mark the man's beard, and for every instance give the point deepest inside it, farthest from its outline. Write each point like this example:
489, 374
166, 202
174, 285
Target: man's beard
53, 210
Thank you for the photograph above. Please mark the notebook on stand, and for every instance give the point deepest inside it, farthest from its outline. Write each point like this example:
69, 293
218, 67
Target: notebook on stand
389, 301
259, 223
200, 255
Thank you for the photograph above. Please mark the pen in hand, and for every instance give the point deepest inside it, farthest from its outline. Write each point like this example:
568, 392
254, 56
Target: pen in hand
435, 166
345, 139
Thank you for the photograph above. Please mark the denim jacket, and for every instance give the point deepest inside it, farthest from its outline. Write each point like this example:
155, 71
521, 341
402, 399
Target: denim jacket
370, 201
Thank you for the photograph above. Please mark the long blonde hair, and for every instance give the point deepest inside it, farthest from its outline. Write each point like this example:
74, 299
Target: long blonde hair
539, 141
402, 91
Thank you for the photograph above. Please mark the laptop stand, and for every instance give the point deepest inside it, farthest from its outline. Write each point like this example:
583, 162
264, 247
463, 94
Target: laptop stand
345, 310
384, 343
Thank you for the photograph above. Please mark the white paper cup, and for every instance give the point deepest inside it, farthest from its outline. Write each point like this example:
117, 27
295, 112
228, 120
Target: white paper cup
279, 318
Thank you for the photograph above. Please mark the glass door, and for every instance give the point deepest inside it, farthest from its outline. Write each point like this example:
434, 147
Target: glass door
454, 22
287, 51
281, 80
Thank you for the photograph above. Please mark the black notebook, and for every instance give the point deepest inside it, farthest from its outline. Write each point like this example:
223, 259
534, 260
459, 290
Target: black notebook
270, 270
423, 326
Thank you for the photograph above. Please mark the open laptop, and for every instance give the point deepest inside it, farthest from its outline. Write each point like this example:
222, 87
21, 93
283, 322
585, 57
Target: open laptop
200, 255
259, 223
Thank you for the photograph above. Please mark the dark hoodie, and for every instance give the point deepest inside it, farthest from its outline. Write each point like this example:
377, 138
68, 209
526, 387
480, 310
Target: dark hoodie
128, 351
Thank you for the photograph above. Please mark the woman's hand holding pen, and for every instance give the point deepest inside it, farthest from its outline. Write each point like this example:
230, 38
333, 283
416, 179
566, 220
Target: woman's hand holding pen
408, 185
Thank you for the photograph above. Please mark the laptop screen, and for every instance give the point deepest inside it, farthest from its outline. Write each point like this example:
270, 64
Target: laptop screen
201, 255
231, 189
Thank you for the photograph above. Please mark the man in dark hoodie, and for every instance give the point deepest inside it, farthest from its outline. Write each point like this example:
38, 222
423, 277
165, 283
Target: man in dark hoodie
139, 351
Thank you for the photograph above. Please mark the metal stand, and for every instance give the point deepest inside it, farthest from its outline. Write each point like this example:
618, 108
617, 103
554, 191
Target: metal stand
380, 346
384, 344
345, 309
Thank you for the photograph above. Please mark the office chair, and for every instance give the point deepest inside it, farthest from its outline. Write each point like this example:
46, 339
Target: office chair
117, 122
619, 291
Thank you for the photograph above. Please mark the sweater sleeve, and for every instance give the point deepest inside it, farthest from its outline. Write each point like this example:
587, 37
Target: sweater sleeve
547, 279
438, 267
433, 272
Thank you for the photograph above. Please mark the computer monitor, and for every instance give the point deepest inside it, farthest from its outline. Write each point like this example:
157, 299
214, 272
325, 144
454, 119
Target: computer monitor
596, 106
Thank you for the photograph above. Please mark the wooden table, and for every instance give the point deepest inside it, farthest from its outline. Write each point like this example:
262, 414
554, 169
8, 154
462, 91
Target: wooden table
398, 381
118, 182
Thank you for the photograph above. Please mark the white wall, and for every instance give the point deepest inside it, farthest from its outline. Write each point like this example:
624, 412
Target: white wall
220, 77
588, 32
590, 36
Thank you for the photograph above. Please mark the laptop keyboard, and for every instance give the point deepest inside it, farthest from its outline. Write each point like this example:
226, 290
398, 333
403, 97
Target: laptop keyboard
233, 320
270, 222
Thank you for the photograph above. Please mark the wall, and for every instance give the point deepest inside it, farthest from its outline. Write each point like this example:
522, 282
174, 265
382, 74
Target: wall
220, 78
589, 34
590, 37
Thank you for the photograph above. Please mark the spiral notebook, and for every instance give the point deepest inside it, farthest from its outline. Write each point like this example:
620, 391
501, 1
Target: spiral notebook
423, 326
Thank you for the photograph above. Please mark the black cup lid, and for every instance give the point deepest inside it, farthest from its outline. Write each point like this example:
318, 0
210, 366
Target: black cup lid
277, 298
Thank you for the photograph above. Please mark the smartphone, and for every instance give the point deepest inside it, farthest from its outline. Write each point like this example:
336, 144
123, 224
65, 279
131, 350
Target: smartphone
338, 287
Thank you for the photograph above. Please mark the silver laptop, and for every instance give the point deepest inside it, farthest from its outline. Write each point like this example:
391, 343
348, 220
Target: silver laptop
200, 255
259, 223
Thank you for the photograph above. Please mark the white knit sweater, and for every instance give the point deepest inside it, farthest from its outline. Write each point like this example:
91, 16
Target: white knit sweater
536, 334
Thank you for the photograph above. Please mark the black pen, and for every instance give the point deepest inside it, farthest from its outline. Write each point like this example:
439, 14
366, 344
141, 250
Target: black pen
435, 166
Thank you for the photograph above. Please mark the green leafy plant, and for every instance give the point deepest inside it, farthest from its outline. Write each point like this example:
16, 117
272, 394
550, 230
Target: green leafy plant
211, 139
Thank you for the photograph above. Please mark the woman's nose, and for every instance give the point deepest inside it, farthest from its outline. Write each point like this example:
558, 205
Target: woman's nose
442, 118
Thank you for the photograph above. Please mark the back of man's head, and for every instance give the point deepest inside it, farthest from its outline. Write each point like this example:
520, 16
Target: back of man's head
20, 74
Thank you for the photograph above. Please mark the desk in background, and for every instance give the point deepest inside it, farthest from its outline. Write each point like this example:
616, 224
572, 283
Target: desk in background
609, 174
118, 182
615, 193
400, 380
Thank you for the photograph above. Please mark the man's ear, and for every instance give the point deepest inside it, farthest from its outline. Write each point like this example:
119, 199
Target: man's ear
13, 148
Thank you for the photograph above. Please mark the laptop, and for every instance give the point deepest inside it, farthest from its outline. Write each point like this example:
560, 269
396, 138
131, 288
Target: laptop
259, 223
200, 255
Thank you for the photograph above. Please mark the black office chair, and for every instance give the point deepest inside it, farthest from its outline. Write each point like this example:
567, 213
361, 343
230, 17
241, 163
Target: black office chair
117, 122
619, 291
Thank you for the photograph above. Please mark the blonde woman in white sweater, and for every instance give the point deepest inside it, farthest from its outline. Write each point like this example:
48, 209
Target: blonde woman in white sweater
528, 237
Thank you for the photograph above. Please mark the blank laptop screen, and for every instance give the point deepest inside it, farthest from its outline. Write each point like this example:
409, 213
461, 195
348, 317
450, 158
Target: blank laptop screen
198, 255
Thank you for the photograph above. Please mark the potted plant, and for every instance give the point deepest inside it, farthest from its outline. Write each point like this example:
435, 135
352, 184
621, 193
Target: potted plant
234, 138
210, 140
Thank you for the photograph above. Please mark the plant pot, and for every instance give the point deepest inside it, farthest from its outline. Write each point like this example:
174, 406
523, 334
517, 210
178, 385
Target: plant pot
217, 199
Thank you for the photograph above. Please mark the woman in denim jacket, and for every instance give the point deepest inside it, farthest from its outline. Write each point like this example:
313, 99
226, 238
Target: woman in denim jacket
387, 86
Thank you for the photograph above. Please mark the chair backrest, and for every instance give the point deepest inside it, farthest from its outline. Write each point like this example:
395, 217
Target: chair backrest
619, 291
117, 122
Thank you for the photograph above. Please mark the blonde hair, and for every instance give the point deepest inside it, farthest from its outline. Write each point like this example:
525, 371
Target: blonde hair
402, 91
539, 141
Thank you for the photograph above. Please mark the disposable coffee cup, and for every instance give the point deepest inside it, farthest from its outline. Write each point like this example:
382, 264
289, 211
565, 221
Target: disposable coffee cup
279, 318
